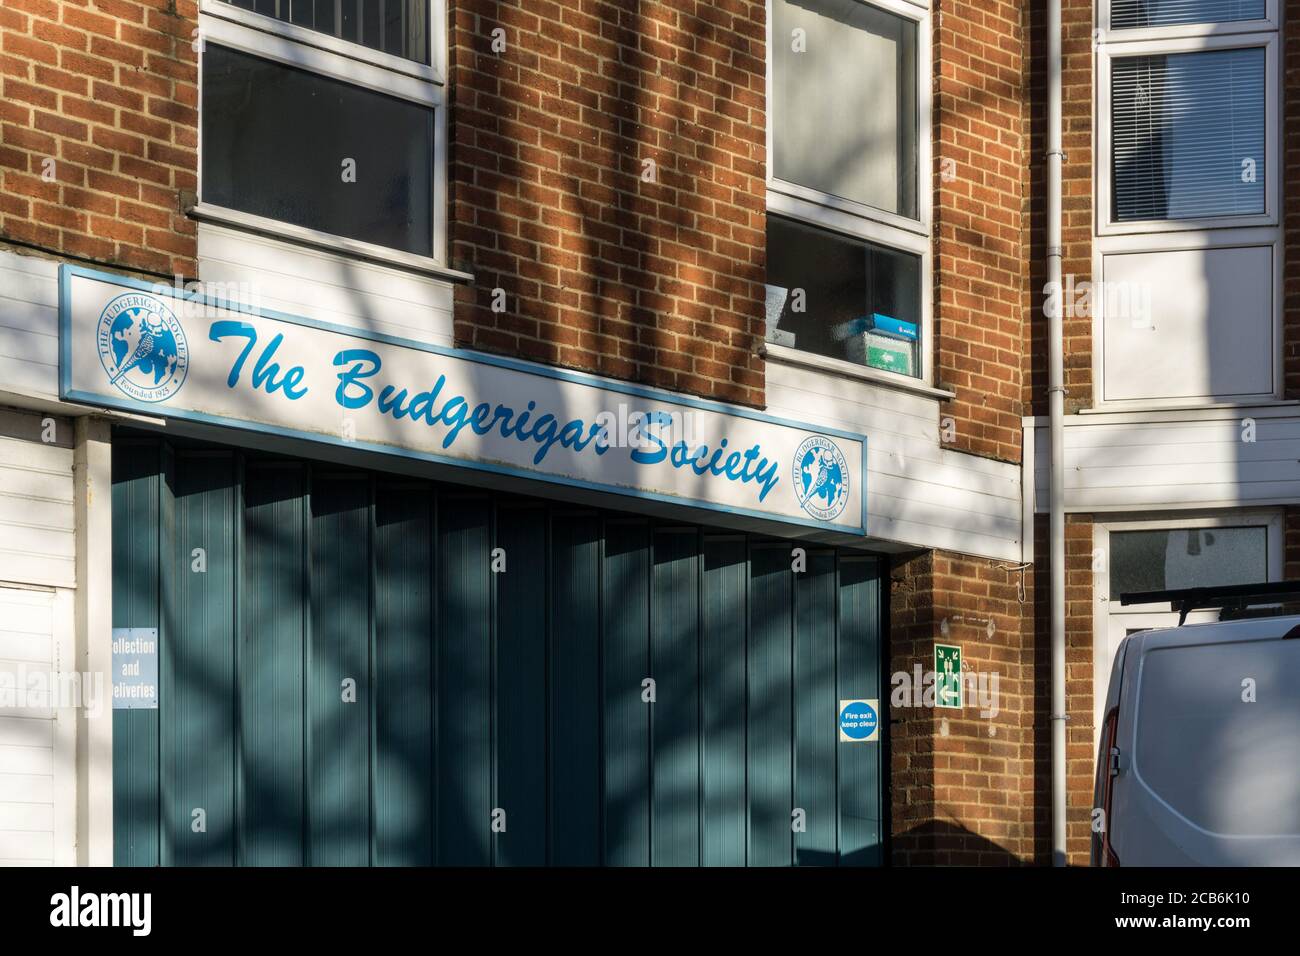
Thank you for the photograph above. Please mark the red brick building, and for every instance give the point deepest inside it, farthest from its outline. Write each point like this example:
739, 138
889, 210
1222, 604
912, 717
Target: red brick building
831, 213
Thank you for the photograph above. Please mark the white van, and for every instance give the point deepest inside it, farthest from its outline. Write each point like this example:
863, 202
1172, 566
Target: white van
1199, 760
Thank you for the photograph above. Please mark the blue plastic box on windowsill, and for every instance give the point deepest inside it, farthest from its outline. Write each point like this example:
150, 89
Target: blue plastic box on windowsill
880, 341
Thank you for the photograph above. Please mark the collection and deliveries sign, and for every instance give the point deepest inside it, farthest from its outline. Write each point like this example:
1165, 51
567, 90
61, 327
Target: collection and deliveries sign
135, 668
155, 350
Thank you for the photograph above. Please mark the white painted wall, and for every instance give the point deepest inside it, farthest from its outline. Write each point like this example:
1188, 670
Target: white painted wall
1160, 461
44, 796
37, 746
29, 324
37, 518
37, 575
331, 288
1187, 325
918, 492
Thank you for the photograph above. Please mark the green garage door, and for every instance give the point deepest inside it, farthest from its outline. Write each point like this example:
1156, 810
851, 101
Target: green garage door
344, 679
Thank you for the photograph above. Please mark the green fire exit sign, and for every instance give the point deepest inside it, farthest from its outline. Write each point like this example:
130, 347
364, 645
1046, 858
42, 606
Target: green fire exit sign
947, 676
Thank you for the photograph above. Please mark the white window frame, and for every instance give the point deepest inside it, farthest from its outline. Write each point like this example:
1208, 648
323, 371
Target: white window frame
433, 72
1175, 235
259, 35
1107, 53
1270, 519
1107, 34
1162, 615
861, 221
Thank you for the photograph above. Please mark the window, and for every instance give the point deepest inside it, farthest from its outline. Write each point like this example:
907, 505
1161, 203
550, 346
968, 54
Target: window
1189, 122
323, 123
1167, 553
1186, 130
1131, 14
399, 27
1188, 194
1172, 558
275, 141
849, 286
845, 102
848, 224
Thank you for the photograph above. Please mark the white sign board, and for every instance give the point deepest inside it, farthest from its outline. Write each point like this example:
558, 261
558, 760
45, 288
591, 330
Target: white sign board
859, 721
159, 351
135, 668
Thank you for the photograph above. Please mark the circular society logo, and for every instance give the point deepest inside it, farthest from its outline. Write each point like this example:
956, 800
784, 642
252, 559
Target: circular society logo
821, 477
142, 347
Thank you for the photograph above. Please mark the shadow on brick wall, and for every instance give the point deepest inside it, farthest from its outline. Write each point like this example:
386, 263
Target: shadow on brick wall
940, 843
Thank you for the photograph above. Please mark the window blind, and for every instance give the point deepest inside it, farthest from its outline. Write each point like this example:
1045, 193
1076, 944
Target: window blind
1188, 135
1131, 14
399, 27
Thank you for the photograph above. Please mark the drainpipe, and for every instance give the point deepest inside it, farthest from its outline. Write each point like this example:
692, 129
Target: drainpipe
1056, 405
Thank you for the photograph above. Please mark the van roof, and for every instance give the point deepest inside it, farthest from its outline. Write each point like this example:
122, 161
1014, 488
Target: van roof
1236, 597
1244, 629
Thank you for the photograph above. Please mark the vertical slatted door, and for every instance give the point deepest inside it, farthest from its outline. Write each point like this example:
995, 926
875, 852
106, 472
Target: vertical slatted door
137, 488
338, 672
858, 676
816, 711
573, 713
675, 667
625, 663
519, 661
274, 602
723, 733
359, 669
403, 696
198, 727
464, 680
770, 727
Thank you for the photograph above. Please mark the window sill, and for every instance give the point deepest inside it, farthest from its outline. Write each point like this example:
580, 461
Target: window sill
330, 243
917, 225
1159, 227
832, 366
1208, 409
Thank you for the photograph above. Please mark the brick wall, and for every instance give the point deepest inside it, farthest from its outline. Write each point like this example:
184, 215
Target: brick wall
659, 282
98, 129
981, 220
968, 797
981, 793
1076, 201
1080, 579
965, 796
1076, 236
1076, 192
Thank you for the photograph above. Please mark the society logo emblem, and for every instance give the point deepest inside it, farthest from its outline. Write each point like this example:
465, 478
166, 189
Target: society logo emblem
821, 477
142, 347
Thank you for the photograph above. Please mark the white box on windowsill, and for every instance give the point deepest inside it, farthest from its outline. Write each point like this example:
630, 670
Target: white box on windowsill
776, 297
